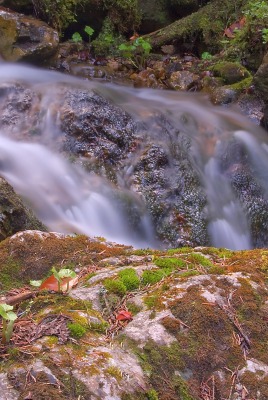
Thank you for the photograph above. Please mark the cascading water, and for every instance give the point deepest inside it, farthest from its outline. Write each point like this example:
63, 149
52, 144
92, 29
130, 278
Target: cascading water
68, 199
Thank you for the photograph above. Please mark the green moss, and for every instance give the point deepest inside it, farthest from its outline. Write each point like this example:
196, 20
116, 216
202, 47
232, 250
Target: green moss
242, 85
180, 250
170, 263
230, 72
100, 327
129, 278
190, 272
76, 330
152, 395
216, 270
199, 259
10, 273
115, 286
152, 277
133, 308
114, 372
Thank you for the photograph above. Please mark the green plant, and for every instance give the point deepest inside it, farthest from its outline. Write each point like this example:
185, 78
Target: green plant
137, 51
152, 277
59, 14
115, 286
63, 273
76, 330
206, 56
152, 395
129, 278
264, 35
257, 18
77, 38
89, 31
8, 319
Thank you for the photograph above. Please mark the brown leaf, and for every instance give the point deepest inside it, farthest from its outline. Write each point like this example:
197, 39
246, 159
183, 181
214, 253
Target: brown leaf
124, 316
229, 32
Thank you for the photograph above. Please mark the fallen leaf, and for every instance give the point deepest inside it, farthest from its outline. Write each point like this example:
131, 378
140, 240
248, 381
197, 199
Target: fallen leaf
230, 31
51, 283
124, 316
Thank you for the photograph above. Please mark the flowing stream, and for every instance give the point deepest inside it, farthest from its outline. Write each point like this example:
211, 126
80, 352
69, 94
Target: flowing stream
68, 199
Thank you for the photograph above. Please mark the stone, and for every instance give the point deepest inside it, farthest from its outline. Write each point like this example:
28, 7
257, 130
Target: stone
26, 38
14, 215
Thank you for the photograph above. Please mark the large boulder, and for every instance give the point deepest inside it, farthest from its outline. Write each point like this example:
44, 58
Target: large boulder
139, 325
14, 215
26, 38
261, 79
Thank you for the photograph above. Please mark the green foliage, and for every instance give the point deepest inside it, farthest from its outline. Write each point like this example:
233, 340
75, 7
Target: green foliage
152, 277
57, 13
170, 263
62, 273
199, 259
108, 40
152, 395
8, 319
137, 51
129, 278
206, 56
89, 30
100, 327
77, 38
115, 286
76, 330
124, 14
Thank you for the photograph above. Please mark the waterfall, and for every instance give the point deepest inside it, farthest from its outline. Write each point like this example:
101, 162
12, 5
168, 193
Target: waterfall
68, 199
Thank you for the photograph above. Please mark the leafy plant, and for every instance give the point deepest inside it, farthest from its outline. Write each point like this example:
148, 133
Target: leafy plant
89, 31
8, 319
206, 56
63, 273
257, 17
137, 51
77, 38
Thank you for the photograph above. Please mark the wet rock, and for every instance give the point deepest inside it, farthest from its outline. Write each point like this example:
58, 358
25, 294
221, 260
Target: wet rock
223, 95
182, 80
26, 38
230, 72
14, 215
260, 79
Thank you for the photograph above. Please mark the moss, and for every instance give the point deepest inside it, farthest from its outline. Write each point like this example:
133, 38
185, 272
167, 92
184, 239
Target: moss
242, 85
152, 277
10, 273
129, 278
115, 286
170, 263
152, 395
133, 308
100, 327
198, 259
179, 250
216, 270
76, 330
190, 272
114, 372
230, 72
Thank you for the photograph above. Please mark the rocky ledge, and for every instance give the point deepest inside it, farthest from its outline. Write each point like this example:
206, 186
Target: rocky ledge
186, 324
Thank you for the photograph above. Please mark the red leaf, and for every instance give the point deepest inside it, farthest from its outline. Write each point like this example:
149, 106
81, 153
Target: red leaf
124, 316
51, 283
229, 32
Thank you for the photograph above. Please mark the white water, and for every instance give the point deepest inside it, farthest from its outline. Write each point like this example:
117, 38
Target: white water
67, 199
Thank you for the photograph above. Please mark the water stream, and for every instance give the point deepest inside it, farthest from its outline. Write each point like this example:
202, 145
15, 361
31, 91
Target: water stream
68, 199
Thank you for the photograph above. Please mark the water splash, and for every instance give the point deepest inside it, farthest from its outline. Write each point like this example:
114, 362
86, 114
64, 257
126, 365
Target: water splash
66, 198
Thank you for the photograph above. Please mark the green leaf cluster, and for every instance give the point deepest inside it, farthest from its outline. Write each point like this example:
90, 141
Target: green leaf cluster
137, 51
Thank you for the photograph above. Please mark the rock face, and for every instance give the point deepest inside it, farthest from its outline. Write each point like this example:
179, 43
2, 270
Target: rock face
14, 215
141, 324
261, 79
25, 38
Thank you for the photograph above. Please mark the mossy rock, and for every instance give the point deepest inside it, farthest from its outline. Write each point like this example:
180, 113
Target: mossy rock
14, 215
230, 72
